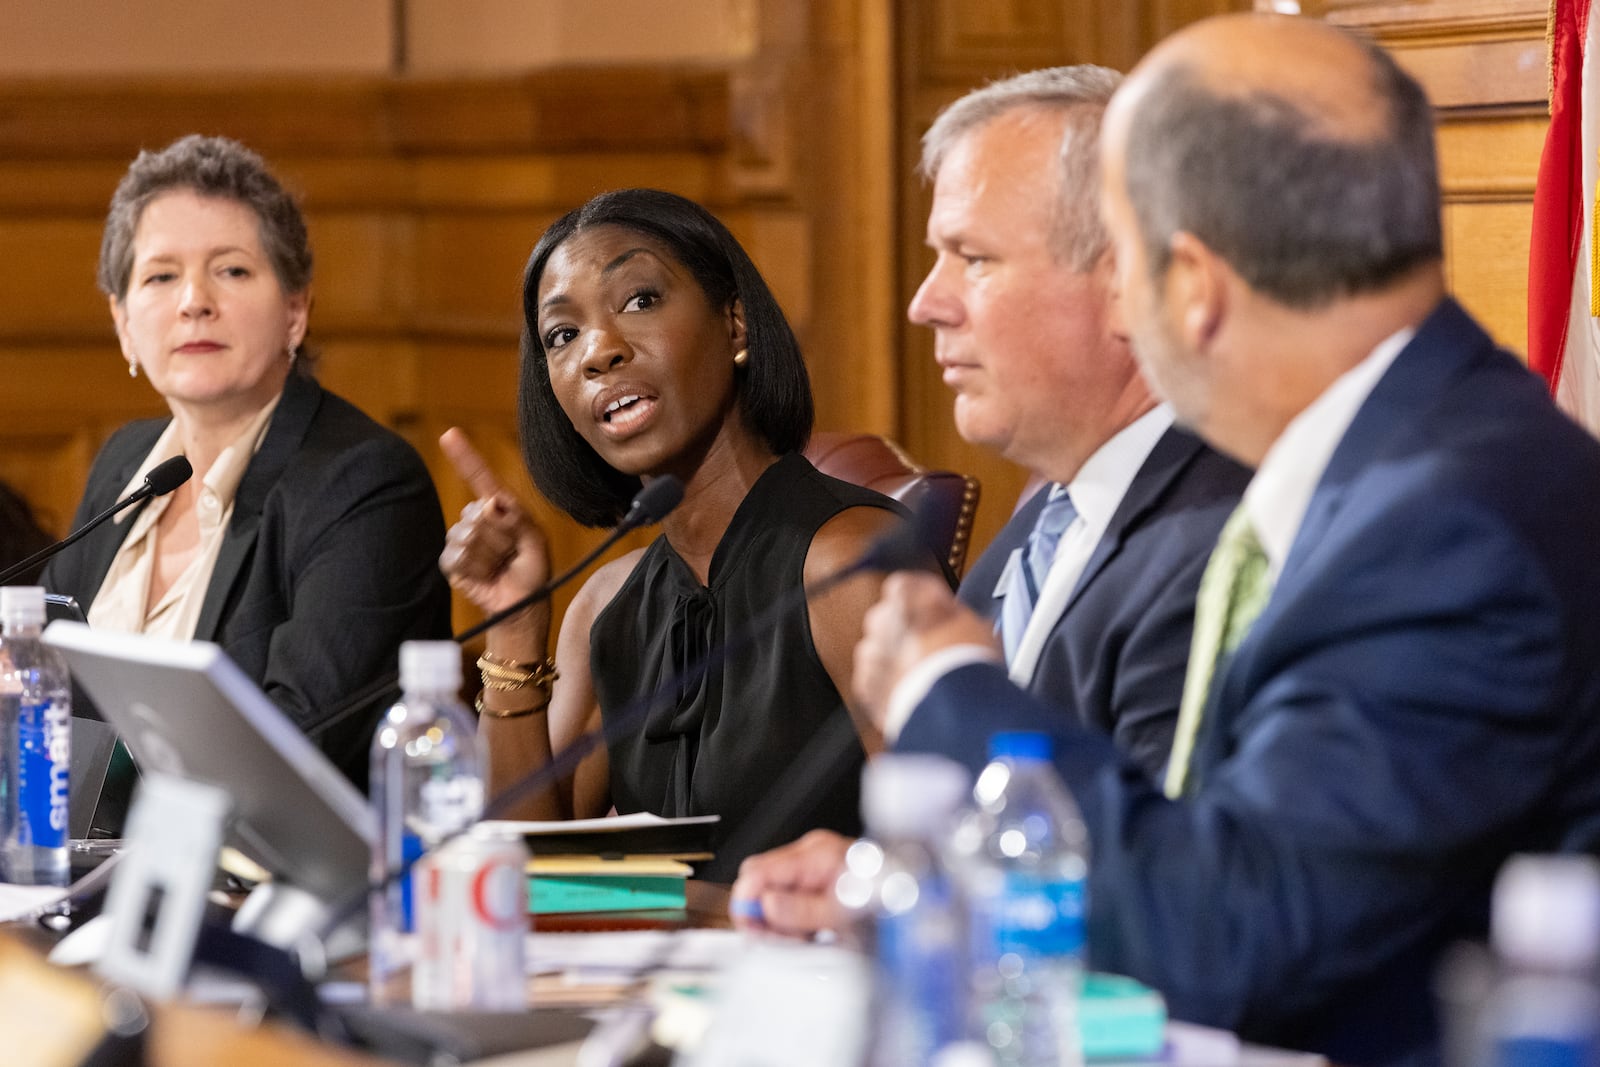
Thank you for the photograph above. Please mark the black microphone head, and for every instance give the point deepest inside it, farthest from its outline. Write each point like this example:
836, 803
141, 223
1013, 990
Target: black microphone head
655, 501
165, 477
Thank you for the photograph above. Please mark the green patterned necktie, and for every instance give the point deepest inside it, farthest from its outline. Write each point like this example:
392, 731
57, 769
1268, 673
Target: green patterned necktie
1233, 590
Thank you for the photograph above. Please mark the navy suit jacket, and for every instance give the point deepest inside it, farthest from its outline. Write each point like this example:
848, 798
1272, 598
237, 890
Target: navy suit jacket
329, 561
1117, 654
1418, 701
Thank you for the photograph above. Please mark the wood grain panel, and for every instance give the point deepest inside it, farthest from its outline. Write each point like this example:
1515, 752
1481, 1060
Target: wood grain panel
1486, 255
1491, 156
1482, 63
631, 109
47, 276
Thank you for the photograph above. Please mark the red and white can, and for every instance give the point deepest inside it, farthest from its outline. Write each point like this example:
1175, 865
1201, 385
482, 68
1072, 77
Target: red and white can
472, 917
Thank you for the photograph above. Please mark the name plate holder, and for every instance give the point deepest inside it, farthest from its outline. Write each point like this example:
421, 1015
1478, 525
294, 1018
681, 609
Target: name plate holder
157, 897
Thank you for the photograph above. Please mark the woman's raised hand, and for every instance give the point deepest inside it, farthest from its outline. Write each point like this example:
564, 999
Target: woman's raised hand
496, 554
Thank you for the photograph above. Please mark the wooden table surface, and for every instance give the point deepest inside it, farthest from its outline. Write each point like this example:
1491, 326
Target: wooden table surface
52, 1016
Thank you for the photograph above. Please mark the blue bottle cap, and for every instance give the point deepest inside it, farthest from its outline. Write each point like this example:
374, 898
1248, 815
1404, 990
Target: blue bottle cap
1021, 745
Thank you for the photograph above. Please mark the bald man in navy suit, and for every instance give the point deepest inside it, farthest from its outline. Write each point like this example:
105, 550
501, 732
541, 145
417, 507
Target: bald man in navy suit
1414, 698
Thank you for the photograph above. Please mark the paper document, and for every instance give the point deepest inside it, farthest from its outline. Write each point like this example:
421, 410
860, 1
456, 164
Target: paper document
631, 953
642, 820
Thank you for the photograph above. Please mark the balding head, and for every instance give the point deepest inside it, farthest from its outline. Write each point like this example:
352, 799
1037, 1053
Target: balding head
1299, 154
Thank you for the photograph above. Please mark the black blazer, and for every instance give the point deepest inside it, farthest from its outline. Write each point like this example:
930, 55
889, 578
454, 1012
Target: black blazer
329, 562
1116, 656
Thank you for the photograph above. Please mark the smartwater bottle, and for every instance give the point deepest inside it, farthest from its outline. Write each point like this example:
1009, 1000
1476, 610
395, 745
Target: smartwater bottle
1543, 1007
36, 710
905, 910
1022, 861
427, 783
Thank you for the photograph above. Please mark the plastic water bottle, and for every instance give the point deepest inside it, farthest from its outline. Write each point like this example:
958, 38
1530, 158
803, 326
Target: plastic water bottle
907, 913
36, 709
427, 782
1022, 860
1543, 1008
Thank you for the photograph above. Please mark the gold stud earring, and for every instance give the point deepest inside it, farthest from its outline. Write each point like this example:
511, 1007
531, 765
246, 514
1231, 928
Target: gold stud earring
741, 357
133, 366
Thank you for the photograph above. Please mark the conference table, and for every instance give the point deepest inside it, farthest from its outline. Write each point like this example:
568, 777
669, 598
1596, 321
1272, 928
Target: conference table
53, 1017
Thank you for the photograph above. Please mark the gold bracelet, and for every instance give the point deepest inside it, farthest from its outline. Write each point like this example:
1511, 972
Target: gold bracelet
506, 675
509, 713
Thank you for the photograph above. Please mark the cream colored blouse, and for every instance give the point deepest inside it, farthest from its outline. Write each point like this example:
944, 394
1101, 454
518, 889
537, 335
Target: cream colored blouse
122, 603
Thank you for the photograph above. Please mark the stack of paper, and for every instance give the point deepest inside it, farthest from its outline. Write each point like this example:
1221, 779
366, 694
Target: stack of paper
624, 863
589, 883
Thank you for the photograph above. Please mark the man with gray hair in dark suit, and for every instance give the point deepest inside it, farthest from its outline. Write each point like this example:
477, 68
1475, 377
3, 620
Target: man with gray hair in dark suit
1090, 588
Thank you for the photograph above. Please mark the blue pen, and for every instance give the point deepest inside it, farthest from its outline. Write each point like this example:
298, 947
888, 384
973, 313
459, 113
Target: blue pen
746, 908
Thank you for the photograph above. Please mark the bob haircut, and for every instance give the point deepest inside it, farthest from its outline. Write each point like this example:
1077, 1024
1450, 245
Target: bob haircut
773, 390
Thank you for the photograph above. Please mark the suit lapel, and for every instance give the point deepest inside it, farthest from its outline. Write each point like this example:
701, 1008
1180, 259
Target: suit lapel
301, 399
101, 547
1445, 348
991, 579
1161, 467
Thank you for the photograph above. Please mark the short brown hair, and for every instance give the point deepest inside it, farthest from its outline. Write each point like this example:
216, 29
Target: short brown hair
209, 166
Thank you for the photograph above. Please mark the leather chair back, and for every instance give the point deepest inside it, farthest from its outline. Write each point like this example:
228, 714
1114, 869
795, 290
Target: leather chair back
880, 464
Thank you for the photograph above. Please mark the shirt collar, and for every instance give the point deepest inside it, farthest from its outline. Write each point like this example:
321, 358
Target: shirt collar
221, 482
1278, 495
1104, 478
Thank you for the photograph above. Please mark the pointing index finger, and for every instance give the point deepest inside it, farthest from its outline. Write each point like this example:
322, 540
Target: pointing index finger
469, 464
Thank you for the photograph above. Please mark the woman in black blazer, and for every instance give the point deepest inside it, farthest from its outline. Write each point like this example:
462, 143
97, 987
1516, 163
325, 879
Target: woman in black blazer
305, 542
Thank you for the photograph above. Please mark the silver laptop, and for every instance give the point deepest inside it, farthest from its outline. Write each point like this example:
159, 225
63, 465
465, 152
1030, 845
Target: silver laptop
184, 708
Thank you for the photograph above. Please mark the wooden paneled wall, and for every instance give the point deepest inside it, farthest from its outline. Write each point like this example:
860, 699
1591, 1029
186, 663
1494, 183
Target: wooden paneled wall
423, 200
1483, 63
946, 48
424, 196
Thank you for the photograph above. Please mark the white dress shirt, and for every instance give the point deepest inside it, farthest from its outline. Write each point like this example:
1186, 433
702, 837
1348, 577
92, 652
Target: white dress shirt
1277, 497
1096, 492
1276, 501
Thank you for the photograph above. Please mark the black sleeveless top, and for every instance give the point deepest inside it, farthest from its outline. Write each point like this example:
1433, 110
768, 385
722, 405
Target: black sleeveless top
719, 744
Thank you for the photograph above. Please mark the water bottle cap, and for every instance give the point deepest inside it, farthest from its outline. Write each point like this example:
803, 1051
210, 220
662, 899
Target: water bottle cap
430, 665
21, 605
1021, 745
1547, 911
911, 795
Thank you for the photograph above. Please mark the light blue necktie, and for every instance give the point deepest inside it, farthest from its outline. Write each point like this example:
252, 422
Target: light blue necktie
1026, 570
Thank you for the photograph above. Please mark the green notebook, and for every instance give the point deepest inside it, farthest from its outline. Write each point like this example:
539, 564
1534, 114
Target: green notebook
571, 884
1120, 1018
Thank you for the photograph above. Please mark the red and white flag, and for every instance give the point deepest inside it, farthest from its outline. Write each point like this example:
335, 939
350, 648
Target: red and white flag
1563, 273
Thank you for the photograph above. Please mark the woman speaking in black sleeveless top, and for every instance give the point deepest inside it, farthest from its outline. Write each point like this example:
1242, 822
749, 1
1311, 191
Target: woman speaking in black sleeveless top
652, 347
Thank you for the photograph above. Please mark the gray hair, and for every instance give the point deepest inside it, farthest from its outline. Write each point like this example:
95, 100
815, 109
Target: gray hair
1079, 93
214, 167
1303, 215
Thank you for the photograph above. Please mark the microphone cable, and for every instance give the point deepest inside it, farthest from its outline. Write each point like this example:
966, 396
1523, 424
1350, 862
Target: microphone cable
902, 548
651, 505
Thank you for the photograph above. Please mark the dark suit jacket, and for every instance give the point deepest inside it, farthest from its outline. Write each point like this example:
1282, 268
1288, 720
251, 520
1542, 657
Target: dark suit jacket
1418, 701
1117, 654
329, 562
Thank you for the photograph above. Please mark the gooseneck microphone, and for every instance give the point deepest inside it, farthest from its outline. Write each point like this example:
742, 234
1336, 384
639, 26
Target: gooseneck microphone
652, 504
904, 547
162, 479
